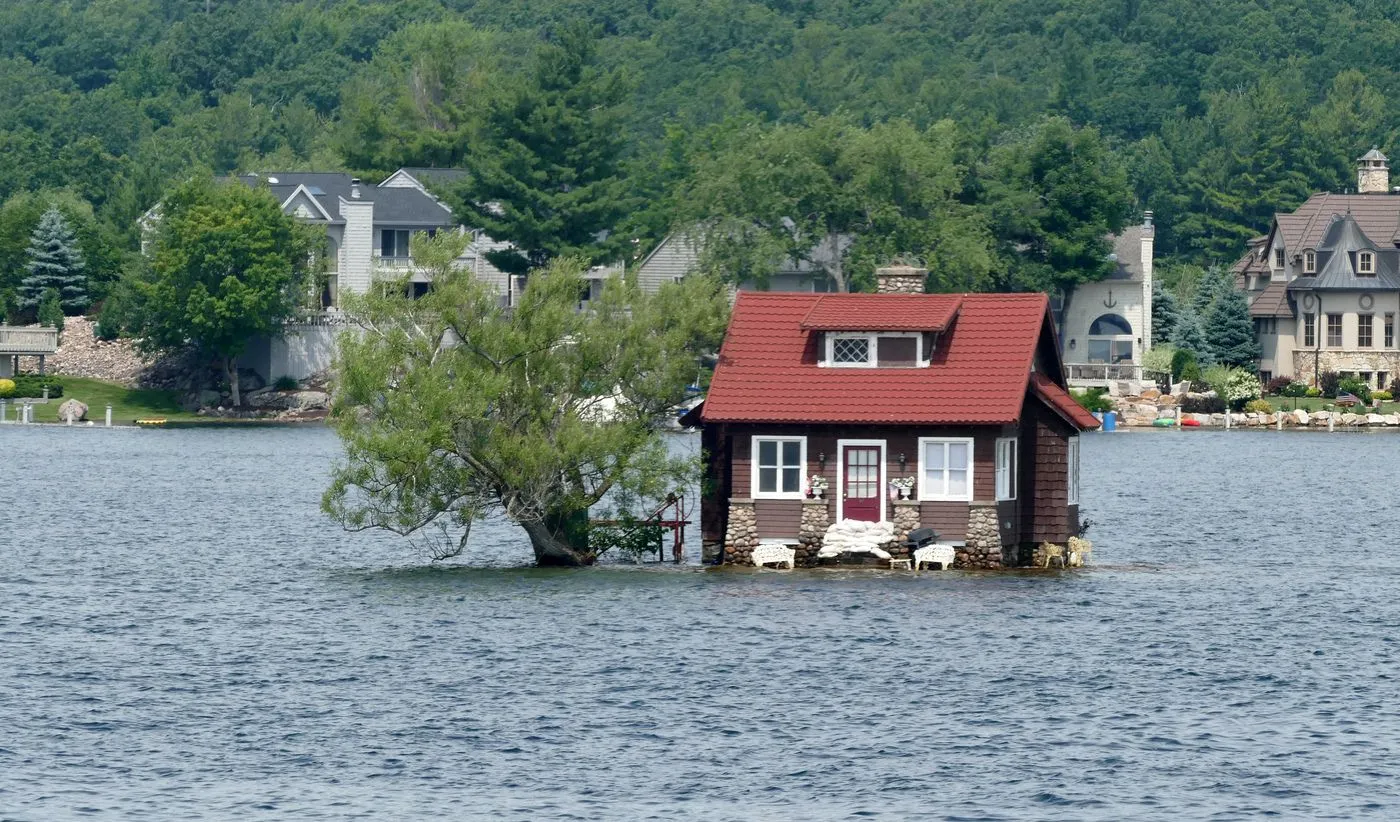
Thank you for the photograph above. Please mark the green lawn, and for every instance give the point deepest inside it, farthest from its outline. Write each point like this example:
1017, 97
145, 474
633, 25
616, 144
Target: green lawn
128, 404
1324, 404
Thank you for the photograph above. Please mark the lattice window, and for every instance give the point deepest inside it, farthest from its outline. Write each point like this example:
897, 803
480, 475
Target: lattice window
850, 350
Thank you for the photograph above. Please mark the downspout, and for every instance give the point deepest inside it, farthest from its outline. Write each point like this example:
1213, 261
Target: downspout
1317, 343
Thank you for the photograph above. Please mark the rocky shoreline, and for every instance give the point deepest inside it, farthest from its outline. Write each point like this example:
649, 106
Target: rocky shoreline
1147, 407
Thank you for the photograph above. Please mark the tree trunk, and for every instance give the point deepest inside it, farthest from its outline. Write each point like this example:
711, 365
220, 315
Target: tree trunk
231, 369
551, 550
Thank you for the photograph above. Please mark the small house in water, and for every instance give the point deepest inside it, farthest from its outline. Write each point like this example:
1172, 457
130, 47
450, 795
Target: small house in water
943, 411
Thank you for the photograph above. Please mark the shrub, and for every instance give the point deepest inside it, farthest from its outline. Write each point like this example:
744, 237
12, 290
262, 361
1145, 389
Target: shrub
1181, 359
285, 383
1355, 387
1394, 387
1327, 381
1259, 407
1158, 360
1203, 405
33, 385
50, 309
1276, 386
1313, 392
1383, 396
1093, 399
1295, 389
7, 388
1191, 372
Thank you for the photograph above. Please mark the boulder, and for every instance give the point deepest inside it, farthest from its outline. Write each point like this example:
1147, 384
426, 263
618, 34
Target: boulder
1375, 419
1151, 394
1217, 419
307, 400
1349, 418
72, 411
1167, 401
1300, 416
1392, 419
1147, 410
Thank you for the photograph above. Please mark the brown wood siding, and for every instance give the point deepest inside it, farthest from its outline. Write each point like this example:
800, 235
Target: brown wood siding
1009, 515
778, 518
1045, 510
949, 519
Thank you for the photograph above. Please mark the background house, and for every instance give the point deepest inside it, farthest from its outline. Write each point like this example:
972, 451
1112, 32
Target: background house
1324, 283
679, 255
1106, 326
961, 393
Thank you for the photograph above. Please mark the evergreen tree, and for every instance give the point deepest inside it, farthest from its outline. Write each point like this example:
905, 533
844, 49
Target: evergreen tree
50, 311
1215, 281
1165, 313
1188, 336
1230, 332
548, 174
55, 262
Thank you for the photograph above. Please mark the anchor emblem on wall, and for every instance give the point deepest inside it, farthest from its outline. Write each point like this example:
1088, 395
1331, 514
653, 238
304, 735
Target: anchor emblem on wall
1109, 302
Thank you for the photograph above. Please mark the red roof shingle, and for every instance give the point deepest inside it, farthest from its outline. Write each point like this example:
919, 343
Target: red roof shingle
1063, 404
882, 312
979, 374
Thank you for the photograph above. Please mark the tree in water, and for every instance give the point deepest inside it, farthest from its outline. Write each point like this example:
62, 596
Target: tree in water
452, 407
55, 263
1230, 332
547, 173
226, 265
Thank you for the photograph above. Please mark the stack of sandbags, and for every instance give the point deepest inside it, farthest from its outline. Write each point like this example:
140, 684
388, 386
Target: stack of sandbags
856, 536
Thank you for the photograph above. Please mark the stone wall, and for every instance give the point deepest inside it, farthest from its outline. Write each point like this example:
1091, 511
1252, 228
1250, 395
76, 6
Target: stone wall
983, 545
741, 536
900, 279
816, 517
1354, 361
906, 519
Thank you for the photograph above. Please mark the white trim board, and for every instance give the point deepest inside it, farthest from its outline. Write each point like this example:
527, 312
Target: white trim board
841, 476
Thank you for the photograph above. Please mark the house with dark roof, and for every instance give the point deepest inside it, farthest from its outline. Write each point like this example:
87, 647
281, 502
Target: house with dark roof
1106, 326
1324, 284
942, 411
678, 255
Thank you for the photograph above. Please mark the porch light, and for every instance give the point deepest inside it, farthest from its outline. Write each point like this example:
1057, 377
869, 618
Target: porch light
1071, 344
821, 460
902, 460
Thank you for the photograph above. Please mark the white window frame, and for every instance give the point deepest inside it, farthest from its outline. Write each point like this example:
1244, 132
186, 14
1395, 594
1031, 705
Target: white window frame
1072, 459
872, 343
1309, 262
1008, 456
925, 494
883, 482
1366, 263
1279, 258
754, 492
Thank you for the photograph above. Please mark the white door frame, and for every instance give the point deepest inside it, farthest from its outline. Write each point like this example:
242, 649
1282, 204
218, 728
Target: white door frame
841, 476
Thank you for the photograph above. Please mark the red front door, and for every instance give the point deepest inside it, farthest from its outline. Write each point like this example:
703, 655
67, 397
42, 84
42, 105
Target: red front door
861, 496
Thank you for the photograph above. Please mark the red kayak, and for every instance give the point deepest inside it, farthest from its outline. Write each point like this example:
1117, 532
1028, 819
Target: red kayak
1190, 423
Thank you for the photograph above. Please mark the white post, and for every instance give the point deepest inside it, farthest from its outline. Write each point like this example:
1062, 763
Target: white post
1178, 416
1227, 416
1278, 420
1331, 421
2, 410
109, 416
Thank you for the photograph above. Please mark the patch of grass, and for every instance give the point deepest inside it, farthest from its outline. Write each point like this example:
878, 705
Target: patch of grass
128, 404
1311, 404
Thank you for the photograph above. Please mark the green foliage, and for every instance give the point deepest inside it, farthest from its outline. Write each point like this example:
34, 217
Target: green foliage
1329, 381
50, 309
1313, 392
1190, 372
227, 264
1296, 389
55, 264
33, 385
1354, 387
1093, 399
1189, 336
1183, 360
1158, 359
451, 407
630, 536
1234, 385
1383, 396
1230, 331
1165, 314
285, 383
1259, 407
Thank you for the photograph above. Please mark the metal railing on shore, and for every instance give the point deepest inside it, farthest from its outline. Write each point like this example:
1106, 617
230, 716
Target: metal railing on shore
25, 341
1090, 373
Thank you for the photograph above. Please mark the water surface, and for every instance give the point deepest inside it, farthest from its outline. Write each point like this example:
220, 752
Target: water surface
183, 636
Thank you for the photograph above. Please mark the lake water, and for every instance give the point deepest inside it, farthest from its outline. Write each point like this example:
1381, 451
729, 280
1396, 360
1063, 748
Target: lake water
183, 636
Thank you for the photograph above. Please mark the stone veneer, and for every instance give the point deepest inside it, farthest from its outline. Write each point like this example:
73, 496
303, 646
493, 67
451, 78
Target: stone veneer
900, 279
741, 536
906, 519
983, 548
816, 518
1353, 360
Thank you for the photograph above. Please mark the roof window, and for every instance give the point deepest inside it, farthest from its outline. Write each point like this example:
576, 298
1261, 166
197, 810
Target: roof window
872, 349
1366, 264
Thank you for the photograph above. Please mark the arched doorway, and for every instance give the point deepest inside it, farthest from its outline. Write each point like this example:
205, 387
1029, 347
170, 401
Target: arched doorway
1110, 339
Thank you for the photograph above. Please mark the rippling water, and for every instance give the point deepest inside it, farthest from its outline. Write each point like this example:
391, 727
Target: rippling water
183, 636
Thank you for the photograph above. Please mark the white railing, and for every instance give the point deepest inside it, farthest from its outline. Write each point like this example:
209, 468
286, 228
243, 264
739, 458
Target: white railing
28, 340
333, 316
1100, 372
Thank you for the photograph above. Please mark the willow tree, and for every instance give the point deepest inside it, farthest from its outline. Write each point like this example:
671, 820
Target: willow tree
452, 407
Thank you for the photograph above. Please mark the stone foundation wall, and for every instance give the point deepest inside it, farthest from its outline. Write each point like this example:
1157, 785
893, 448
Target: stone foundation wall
983, 548
906, 519
816, 517
741, 536
1354, 361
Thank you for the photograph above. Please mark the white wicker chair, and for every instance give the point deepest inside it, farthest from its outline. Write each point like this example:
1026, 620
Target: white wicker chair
943, 555
764, 554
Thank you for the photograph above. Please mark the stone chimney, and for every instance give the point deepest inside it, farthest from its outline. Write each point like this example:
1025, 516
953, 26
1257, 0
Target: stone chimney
354, 188
1373, 173
900, 279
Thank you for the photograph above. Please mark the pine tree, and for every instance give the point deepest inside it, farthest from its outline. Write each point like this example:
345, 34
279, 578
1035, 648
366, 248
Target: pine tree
1214, 282
55, 262
1230, 332
1165, 313
1188, 336
50, 313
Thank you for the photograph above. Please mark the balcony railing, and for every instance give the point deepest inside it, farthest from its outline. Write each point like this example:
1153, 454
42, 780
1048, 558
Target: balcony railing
1101, 373
28, 340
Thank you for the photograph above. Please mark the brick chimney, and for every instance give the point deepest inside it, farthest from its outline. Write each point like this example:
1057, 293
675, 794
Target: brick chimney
1373, 173
900, 279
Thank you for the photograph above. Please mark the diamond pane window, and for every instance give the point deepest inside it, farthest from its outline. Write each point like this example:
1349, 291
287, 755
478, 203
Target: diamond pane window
850, 350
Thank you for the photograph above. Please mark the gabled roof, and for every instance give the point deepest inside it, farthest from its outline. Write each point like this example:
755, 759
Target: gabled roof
1127, 253
979, 374
1378, 215
882, 312
408, 207
1272, 302
1059, 400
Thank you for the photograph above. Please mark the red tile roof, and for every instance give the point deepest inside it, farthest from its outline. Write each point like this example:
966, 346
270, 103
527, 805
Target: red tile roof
882, 312
1062, 403
979, 375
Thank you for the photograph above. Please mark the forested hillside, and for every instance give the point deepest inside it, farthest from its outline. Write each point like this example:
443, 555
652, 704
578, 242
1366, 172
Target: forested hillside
1212, 114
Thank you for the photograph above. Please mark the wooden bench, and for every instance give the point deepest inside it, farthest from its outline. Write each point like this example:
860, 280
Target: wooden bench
942, 554
771, 552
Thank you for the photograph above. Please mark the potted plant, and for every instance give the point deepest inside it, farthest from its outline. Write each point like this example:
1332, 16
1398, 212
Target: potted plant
903, 486
817, 485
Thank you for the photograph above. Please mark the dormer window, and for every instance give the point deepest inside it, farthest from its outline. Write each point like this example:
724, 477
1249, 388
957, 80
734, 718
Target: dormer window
1278, 257
1366, 264
875, 349
1309, 262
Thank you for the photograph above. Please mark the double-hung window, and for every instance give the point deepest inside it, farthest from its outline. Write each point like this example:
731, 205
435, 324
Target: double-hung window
1006, 468
1365, 325
1389, 330
393, 243
1072, 457
1366, 264
1334, 330
778, 463
1309, 262
1278, 258
1309, 330
945, 469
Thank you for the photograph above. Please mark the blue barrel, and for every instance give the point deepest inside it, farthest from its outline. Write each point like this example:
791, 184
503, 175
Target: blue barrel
1110, 421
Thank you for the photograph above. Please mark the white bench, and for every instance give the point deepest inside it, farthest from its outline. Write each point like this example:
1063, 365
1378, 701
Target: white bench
772, 552
940, 553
